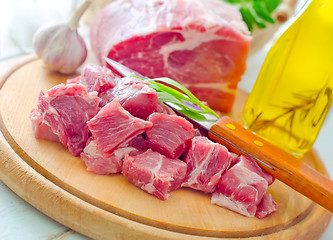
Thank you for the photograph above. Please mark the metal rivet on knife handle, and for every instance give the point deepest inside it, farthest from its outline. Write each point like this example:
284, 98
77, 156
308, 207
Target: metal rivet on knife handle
231, 126
258, 143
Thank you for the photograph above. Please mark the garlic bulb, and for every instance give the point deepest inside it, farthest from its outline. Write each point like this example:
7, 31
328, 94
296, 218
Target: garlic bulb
60, 46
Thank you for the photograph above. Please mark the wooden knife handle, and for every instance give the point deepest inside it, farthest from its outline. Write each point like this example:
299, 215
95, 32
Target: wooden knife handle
287, 168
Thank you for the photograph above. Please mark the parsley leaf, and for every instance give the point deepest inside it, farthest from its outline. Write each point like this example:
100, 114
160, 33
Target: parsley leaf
256, 12
171, 92
180, 96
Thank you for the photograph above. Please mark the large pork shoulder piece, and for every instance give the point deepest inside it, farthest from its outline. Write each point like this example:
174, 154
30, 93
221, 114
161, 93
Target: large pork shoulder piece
201, 44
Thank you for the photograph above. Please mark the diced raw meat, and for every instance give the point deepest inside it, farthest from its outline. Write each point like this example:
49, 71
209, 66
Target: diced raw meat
40, 128
202, 44
170, 134
138, 143
97, 78
98, 164
266, 207
253, 166
162, 108
200, 130
241, 188
233, 159
74, 80
66, 109
206, 161
138, 98
122, 83
155, 173
134, 95
113, 126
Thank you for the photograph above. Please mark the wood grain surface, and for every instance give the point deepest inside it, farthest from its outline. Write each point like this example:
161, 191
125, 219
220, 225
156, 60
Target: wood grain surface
109, 207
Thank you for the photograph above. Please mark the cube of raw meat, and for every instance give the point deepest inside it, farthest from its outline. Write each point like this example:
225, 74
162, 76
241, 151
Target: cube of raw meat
162, 108
233, 159
241, 188
134, 95
125, 82
170, 134
97, 78
76, 80
266, 207
201, 44
155, 173
206, 161
138, 98
253, 166
66, 109
113, 126
138, 143
99, 164
40, 128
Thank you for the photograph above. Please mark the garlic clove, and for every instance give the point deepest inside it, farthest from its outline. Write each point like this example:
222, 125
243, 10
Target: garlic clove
60, 46
40, 38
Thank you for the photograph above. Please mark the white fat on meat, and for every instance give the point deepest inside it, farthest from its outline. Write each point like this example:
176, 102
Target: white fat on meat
241, 187
154, 173
190, 41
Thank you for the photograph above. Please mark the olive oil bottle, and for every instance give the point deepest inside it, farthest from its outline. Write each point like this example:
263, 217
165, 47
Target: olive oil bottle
294, 89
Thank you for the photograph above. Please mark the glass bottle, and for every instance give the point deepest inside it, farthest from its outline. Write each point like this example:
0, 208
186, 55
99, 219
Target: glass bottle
294, 89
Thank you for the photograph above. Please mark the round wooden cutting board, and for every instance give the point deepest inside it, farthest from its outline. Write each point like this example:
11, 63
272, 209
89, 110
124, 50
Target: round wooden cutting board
47, 176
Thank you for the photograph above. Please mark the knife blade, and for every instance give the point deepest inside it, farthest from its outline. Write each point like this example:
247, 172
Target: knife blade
282, 165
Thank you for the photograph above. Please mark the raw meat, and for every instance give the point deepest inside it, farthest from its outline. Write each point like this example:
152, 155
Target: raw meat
76, 80
40, 128
170, 134
266, 207
206, 162
98, 164
233, 159
250, 164
138, 143
146, 151
66, 109
241, 188
162, 108
113, 126
97, 78
202, 44
155, 173
134, 95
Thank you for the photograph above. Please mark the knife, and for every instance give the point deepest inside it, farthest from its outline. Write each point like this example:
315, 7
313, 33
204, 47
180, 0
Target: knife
282, 165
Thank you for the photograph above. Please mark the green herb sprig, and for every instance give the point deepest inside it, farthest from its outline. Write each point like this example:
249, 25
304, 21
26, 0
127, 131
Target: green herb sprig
311, 106
172, 92
256, 12
178, 95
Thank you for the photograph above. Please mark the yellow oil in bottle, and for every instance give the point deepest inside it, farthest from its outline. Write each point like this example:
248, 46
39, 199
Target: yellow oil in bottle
294, 89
